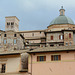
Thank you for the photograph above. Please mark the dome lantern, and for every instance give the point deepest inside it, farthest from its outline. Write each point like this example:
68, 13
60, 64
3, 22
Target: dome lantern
62, 11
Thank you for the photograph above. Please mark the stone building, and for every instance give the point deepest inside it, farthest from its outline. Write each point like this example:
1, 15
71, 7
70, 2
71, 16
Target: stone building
38, 52
60, 32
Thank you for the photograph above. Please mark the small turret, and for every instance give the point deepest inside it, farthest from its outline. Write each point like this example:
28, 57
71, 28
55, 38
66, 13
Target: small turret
62, 11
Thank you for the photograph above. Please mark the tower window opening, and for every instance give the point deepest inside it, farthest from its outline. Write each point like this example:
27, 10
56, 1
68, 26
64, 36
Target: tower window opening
12, 23
8, 23
5, 35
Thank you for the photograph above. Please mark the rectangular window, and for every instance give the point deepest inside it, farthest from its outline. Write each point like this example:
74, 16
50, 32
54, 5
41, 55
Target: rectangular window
60, 37
51, 37
66, 43
5, 41
15, 41
3, 68
69, 35
55, 57
41, 58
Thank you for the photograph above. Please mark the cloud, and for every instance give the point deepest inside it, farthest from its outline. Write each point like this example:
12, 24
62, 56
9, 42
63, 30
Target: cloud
35, 12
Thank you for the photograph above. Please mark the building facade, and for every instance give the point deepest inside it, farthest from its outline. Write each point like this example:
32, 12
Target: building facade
38, 52
52, 61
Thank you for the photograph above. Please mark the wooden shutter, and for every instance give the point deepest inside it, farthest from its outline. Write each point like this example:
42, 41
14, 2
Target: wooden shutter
59, 57
37, 58
51, 37
51, 57
59, 37
44, 58
63, 36
69, 35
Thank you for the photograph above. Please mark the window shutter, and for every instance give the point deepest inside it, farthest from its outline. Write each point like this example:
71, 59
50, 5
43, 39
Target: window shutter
51, 37
63, 36
44, 58
37, 58
51, 57
59, 57
59, 36
69, 35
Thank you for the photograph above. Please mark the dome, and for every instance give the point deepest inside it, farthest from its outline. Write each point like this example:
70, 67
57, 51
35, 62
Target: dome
62, 19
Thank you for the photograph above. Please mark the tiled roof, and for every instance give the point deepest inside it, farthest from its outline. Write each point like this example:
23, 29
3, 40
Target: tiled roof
12, 52
31, 31
34, 37
53, 49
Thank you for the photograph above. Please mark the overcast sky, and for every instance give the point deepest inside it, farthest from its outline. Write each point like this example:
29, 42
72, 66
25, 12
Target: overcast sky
34, 14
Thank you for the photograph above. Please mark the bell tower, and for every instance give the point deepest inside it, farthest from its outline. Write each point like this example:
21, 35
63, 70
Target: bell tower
11, 23
62, 11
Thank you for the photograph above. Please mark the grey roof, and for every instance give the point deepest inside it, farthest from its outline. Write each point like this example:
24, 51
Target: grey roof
62, 19
12, 52
53, 49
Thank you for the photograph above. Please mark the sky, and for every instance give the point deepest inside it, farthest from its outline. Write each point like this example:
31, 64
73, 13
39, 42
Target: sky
34, 14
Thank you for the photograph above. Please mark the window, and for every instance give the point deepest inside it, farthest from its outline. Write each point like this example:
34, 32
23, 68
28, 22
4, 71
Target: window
32, 34
5, 41
66, 35
69, 35
5, 35
61, 37
41, 58
12, 23
8, 23
14, 35
51, 37
15, 41
55, 57
3, 68
70, 43
66, 44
